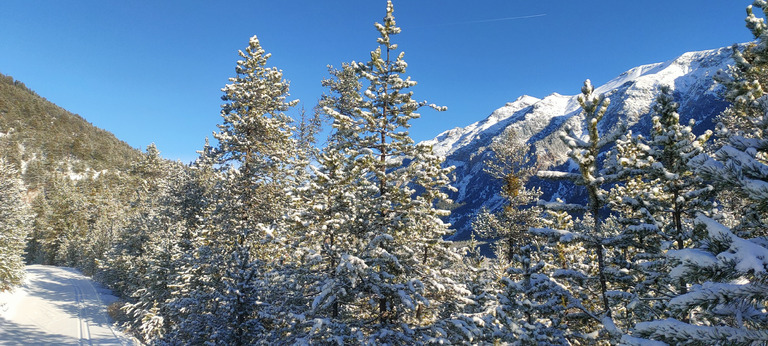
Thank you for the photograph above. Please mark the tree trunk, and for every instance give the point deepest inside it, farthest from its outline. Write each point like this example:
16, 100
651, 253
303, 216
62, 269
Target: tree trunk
382, 310
595, 206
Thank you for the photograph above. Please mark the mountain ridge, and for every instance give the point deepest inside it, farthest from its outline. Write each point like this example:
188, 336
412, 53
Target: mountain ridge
538, 121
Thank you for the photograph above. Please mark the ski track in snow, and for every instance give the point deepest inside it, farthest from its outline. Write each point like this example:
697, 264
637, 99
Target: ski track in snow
57, 306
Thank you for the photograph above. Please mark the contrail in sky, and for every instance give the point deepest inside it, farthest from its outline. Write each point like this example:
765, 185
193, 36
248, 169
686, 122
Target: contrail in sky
485, 20
499, 19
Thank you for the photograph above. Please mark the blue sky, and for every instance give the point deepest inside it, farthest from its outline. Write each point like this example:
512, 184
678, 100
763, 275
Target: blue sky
151, 71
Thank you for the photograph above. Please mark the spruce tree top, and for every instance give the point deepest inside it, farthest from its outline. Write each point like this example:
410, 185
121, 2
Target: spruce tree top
254, 126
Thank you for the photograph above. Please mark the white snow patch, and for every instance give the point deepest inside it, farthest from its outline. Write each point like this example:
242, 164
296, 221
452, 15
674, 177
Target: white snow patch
690, 256
58, 305
447, 142
628, 340
9, 302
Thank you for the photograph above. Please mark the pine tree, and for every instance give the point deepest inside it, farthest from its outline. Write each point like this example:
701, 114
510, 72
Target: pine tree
590, 293
64, 217
726, 301
243, 238
197, 284
672, 146
727, 298
509, 227
159, 258
256, 134
15, 225
657, 205
525, 304
123, 269
106, 210
387, 272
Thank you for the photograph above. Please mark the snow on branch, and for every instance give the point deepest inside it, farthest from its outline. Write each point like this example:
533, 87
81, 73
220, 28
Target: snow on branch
674, 331
689, 258
557, 175
560, 206
723, 295
611, 137
742, 143
748, 256
745, 159
562, 235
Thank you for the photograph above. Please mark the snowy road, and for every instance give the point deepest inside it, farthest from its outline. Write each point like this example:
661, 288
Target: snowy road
57, 306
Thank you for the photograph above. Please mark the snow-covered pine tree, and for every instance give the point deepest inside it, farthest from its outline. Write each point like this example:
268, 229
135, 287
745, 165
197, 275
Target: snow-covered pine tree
60, 224
123, 270
15, 225
393, 279
326, 227
741, 129
106, 209
562, 220
256, 139
257, 155
657, 204
197, 287
726, 302
672, 146
513, 165
293, 279
526, 305
159, 259
480, 275
590, 292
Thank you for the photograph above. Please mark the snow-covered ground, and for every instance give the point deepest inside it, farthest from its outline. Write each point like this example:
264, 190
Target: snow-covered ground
57, 306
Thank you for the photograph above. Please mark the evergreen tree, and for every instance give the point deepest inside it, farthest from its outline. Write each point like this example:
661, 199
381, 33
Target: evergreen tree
387, 274
15, 225
672, 146
106, 211
240, 245
197, 283
726, 301
509, 227
727, 298
123, 269
158, 260
589, 279
656, 206
526, 304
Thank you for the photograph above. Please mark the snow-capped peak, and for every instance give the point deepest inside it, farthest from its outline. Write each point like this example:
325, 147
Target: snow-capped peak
447, 142
538, 121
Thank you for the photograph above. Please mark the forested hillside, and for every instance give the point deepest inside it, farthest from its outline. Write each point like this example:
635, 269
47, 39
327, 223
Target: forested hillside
69, 181
269, 239
40, 137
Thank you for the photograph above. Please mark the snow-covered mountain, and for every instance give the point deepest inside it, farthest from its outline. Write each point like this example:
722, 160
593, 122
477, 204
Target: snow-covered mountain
632, 95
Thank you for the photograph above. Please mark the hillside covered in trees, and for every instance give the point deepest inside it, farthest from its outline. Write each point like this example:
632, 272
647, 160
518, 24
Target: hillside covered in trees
41, 137
268, 238
64, 178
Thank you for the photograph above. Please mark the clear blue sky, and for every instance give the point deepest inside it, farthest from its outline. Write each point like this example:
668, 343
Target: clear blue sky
151, 71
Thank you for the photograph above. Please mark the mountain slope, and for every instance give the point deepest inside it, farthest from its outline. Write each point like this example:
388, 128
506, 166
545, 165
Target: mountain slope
539, 120
38, 136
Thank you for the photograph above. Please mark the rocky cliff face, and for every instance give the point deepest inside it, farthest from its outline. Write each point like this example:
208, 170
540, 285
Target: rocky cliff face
632, 95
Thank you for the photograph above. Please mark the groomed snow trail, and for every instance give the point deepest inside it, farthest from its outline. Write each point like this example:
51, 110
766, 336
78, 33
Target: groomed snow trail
57, 306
